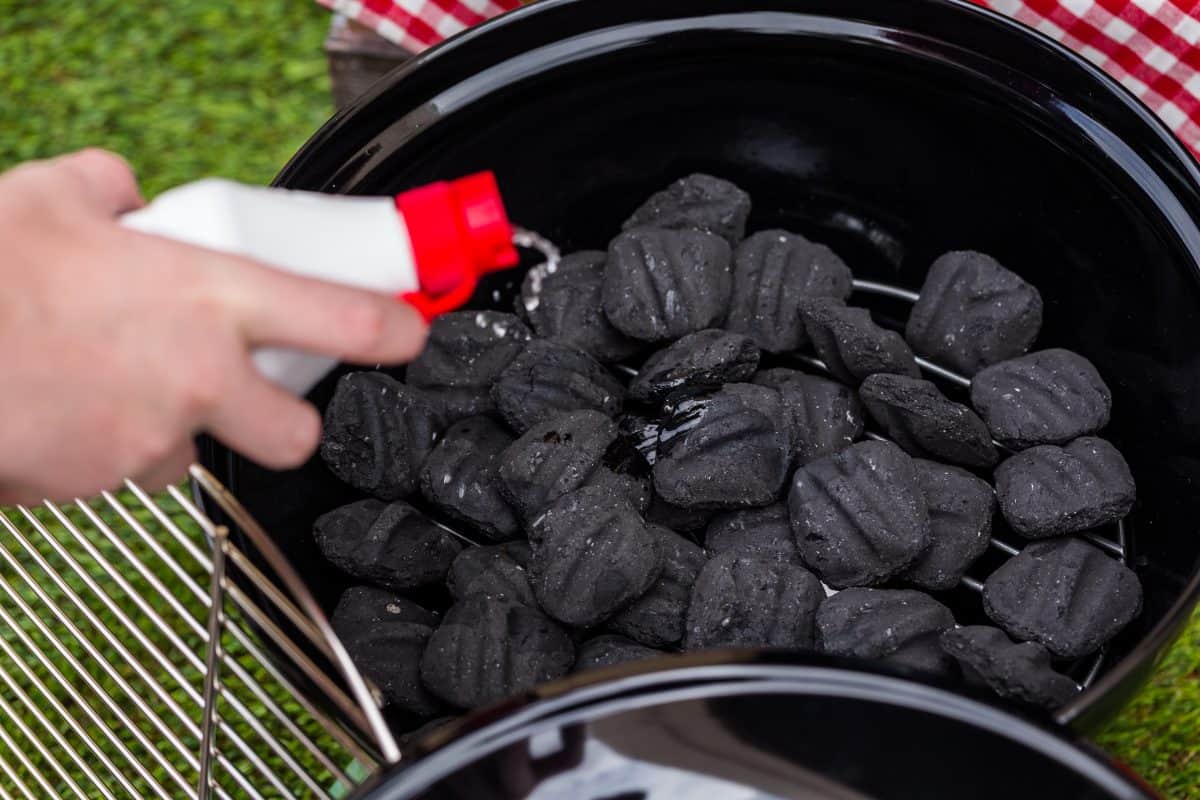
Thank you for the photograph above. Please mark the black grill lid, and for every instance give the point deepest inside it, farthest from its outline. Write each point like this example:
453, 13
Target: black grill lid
752, 727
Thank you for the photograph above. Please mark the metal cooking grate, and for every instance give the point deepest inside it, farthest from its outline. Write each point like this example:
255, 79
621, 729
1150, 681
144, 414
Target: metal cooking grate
117, 682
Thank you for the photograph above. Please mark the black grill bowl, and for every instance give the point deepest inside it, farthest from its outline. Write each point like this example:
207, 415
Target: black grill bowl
892, 130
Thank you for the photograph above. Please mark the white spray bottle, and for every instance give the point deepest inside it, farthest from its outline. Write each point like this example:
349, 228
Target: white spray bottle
428, 246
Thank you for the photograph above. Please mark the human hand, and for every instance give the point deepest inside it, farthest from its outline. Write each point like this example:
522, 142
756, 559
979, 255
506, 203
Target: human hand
117, 347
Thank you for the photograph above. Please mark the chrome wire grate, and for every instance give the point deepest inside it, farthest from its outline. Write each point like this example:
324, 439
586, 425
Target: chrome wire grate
133, 665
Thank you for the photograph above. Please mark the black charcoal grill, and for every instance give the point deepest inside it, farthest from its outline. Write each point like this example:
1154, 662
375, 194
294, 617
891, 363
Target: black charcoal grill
891, 130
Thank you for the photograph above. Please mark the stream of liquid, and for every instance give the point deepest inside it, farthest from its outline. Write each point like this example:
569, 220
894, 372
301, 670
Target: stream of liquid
529, 240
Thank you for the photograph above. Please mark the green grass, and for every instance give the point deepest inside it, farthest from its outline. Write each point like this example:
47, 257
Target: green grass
188, 89
182, 89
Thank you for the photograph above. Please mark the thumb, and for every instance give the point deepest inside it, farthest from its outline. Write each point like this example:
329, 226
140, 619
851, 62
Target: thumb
108, 181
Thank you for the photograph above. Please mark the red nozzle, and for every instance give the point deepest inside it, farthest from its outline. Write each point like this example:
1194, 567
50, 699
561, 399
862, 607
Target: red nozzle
459, 231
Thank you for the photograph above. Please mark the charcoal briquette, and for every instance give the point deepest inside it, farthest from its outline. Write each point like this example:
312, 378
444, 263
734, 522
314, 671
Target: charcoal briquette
761, 533
744, 601
973, 312
859, 516
1063, 593
607, 650
487, 649
656, 619
460, 477
961, 508
624, 471
463, 356
1017, 671
663, 284
569, 451
699, 202
377, 433
385, 636
547, 379
1049, 490
772, 271
730, 449
389, 544
703, 360
826, 416
1048, 397
499, 572
565, 306
851, 344
917, 416
592, 557
898, 626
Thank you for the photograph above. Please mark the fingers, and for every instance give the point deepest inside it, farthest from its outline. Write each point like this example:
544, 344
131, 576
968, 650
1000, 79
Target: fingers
277, 309
264, 422
107, 179
170, 470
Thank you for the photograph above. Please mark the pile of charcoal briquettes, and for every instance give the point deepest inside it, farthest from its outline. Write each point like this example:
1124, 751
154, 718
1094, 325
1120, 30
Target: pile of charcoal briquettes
637, 481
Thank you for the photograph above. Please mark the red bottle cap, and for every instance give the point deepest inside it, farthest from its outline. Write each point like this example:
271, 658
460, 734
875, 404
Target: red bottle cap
459, 231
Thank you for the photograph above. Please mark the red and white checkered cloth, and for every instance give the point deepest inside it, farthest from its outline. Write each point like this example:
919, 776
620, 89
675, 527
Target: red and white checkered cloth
418, 24
1151, 46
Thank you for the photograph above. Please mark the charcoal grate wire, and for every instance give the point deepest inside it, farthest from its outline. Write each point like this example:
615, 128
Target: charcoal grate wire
132, 663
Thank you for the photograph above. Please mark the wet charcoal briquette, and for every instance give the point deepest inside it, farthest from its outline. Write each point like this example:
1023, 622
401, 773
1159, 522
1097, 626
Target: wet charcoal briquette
1017, 671
698, 202
390, 544
899, 626
1063, 593
742, 601
772, 271
851, 344
642, 433
730, 449
826, 416
656, 619
607, 650
465, 352
572, 450
377, 433
385, 636
918, 417
859, 516
973, 312
761, 533
564, 305
702, 360
961, 508
486, 650
661, 284
592, 557
1049, 490
547, 379
499, 572
460, 477
1048, 397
